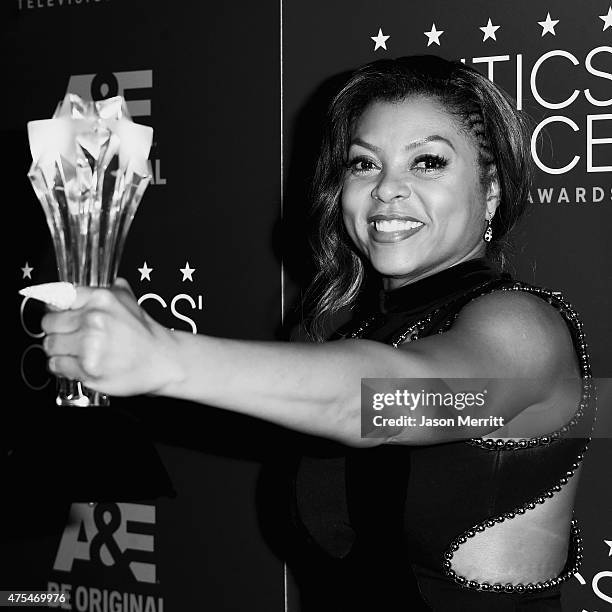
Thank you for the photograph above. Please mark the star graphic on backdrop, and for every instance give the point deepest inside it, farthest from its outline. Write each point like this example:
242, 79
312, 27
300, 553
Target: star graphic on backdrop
433, 35
489, 30
548, 25
27, 271
609, 543
380, 39
607, 19
145, 272
187, 272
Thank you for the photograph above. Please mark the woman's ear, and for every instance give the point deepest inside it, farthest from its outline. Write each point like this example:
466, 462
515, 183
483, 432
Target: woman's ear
493, 194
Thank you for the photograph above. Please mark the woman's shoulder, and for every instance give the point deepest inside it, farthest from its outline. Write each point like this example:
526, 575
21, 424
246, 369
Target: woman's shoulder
519, 303
516, 303
533, 324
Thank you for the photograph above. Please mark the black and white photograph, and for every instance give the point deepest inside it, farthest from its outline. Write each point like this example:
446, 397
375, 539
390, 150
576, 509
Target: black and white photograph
312, 306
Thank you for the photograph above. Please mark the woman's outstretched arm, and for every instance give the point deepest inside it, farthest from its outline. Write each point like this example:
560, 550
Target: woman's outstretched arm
109, 343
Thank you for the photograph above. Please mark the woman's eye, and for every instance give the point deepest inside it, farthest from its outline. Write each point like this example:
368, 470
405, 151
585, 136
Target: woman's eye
430, 163
361, 165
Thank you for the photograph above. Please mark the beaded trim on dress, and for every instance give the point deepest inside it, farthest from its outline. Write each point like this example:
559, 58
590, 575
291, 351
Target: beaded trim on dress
574, 558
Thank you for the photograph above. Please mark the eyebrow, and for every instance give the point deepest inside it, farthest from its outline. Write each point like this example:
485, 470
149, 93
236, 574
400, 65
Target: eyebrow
413, 145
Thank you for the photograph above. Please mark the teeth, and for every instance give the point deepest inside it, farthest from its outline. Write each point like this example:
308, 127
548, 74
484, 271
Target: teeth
394, 225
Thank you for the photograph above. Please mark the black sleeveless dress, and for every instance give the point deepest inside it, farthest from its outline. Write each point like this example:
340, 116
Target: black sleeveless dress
380, 525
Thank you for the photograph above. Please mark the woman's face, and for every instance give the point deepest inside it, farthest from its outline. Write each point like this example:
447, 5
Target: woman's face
412, 200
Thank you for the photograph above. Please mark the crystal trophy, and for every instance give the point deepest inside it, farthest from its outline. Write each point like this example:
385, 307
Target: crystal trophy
90, 169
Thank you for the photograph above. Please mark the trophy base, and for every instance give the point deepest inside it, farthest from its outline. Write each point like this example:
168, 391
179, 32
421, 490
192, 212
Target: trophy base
74, 393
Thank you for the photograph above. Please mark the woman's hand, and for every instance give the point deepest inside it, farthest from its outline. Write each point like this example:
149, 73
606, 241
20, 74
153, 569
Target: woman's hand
110, 344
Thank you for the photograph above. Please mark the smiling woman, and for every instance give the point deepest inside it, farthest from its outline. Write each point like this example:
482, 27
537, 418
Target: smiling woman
405, 181
462, 140
423, 172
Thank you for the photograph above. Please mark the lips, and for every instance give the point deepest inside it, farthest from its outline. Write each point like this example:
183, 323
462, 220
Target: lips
392, 228
391, 216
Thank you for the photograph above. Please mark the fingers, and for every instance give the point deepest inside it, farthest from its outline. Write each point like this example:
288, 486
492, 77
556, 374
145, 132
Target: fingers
88, 341
68, 367
61, 321
64, 344
79, 334
75, 352
68, 321
72, 368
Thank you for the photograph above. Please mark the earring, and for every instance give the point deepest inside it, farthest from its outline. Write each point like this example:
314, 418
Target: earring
488, 235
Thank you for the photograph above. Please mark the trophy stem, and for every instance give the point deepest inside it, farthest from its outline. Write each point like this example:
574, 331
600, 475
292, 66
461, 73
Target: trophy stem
74, 393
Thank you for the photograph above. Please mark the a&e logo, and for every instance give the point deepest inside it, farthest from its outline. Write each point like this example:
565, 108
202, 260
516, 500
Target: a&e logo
109, 84
111, 534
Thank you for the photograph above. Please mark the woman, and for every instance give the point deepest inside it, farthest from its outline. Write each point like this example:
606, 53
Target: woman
423, 172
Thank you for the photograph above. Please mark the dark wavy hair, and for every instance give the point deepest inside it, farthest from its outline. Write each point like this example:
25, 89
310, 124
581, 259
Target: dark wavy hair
485, 112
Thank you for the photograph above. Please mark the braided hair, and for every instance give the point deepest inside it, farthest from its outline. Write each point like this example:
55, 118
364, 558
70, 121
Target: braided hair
483, 111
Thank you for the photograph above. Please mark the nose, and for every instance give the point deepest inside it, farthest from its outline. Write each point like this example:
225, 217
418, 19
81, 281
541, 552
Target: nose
391, 188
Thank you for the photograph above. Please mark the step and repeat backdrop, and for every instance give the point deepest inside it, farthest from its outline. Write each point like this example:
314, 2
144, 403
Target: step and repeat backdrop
179, 487
192, 501
555, 59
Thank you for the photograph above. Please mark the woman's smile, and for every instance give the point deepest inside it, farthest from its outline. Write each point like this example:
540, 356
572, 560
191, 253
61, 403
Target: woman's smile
387, 229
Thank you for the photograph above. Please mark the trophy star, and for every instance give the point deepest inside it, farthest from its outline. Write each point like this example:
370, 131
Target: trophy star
548, 25
61, 295
27, 271
380, 39
609, 543
489, 31
433, 35
187, 272
607, 19
145, 272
